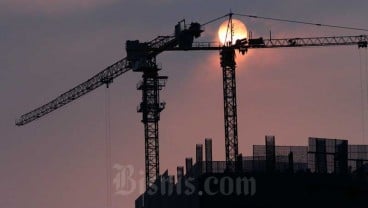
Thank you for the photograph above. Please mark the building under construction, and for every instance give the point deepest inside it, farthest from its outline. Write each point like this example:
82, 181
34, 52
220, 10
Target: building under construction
326, 173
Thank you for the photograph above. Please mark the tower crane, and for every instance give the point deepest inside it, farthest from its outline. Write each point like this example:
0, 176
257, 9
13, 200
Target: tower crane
141, 57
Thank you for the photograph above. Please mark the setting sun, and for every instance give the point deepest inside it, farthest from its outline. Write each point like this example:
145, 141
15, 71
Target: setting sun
240, 31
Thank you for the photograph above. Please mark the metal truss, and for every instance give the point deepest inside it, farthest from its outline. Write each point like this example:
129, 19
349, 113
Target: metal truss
151, 107
230, 109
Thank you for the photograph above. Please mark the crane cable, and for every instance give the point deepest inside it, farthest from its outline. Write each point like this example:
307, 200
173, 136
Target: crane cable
214, 20
229, 25
362, 96
301, 22
366, 88
108, 149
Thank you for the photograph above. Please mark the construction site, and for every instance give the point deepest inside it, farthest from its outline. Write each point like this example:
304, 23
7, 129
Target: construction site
323, 173
326, 173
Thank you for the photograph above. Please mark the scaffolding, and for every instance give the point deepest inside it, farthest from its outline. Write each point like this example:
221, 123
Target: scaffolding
357, 156
287, 159
328, 155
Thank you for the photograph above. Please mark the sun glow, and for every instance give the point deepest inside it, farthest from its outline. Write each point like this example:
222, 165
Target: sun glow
240, 31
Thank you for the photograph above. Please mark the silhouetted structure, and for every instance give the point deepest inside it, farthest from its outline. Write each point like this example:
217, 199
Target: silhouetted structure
141, 57
326, 173
208, 153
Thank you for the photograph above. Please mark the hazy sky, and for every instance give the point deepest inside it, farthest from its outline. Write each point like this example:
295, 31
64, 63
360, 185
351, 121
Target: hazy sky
48, 47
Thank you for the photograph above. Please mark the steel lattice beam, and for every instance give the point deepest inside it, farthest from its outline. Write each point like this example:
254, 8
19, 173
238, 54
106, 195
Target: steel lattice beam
150, 108
360, 41
104, 77
230, 109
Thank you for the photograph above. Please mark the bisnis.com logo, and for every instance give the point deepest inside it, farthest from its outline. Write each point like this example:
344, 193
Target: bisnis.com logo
125, 183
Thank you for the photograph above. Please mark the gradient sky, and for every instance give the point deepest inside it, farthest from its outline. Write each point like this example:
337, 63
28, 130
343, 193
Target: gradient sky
47, 47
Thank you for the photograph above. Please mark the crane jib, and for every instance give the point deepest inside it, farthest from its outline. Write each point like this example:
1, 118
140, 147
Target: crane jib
171, 43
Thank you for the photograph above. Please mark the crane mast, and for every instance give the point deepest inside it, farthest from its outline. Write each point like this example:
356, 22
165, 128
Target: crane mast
228, 64
150, 108
141, 57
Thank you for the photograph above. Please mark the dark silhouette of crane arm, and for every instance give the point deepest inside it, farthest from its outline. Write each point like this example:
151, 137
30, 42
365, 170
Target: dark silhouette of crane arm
254, 43
148, 50
176, 43
360, 41
106, 76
